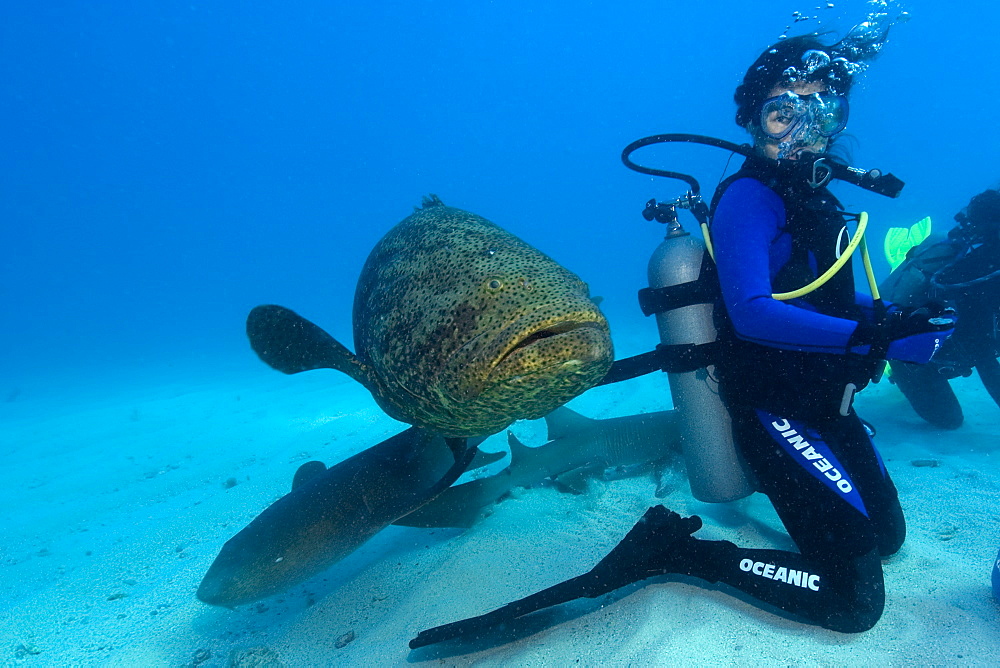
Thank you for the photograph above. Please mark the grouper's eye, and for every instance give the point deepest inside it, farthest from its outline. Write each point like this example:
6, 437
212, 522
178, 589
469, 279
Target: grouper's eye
494, 284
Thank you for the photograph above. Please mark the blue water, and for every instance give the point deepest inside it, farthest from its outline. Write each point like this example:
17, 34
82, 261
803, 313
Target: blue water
165, 167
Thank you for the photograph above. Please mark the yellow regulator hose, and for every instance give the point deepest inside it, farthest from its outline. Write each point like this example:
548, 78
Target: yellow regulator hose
857, 240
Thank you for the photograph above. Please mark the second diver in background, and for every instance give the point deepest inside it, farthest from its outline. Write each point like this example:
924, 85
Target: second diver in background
962, 270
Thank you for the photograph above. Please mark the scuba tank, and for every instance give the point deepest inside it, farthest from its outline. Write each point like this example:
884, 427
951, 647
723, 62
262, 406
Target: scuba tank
714, 467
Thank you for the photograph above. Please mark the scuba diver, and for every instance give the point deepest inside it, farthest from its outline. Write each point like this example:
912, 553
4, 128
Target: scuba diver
962, 270
788, 367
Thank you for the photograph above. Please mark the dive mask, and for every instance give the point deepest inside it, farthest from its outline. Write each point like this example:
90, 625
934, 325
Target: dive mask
801, 117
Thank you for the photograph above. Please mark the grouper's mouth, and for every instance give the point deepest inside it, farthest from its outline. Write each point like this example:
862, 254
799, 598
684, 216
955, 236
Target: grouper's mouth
514, 355
529, 349
556, 329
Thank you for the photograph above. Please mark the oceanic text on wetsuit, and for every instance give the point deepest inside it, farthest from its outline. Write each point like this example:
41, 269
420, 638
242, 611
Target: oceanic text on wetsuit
796, 440
782, 574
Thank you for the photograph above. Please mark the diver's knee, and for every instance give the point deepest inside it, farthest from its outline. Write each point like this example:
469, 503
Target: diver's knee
861, 595
893, 535
890, 545
861, 619
945, 419
861, 611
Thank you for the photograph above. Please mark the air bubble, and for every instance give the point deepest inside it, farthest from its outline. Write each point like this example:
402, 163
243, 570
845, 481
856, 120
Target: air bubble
815, 59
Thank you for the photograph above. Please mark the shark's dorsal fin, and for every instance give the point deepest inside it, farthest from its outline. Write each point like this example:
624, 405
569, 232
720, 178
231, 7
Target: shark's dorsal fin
563, 422
307, 472
519, 452
286, 341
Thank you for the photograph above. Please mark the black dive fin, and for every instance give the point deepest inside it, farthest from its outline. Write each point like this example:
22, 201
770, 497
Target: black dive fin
307, 472
286, 341
647, 550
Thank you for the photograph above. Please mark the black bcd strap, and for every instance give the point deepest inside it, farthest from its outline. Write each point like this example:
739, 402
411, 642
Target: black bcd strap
680, 358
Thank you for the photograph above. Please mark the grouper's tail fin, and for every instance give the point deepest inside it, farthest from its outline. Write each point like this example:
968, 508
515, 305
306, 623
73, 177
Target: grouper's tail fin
286, 341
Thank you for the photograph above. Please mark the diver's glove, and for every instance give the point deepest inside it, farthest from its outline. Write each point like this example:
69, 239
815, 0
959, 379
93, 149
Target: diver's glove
906, 334
650, 548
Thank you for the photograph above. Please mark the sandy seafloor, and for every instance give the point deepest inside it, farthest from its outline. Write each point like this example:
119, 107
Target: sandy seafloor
114, 504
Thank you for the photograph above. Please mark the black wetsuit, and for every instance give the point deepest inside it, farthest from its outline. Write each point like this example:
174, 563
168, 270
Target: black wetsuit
783, 376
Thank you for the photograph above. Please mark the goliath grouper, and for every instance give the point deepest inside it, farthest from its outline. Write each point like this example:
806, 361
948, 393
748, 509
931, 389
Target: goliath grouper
460, 329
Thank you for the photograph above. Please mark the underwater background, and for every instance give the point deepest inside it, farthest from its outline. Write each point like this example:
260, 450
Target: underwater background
165, 167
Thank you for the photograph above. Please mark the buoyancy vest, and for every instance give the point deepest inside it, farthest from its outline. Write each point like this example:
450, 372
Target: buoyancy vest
804, 385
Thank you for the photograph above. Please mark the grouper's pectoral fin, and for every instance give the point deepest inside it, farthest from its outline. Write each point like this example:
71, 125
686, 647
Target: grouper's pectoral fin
286, 341
464, 453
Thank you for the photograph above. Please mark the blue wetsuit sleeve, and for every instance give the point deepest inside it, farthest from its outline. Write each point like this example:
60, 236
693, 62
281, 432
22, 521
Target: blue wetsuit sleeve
867, 303
750, 247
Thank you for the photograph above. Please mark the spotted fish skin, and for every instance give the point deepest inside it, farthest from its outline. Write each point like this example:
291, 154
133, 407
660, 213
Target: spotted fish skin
466, 328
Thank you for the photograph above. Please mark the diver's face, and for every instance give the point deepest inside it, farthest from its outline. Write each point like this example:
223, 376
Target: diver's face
774, 124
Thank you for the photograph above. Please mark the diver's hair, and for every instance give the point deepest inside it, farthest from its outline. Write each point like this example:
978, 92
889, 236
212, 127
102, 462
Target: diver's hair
984, 208
979, 221
842, 147
770, 68
982, 212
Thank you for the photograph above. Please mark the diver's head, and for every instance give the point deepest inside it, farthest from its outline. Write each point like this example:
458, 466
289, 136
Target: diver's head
793, 99
979, 222
798, 118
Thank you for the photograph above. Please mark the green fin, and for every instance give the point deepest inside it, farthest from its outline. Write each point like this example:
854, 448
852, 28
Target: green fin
286, 341
899, 240
920, 230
